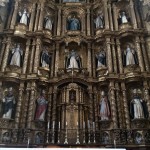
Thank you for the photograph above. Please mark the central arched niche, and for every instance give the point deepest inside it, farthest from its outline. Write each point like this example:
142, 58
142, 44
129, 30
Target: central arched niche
72, 108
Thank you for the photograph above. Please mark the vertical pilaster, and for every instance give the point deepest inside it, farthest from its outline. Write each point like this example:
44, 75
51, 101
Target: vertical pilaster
40, 24
2, 49
114, 56
32, 56
134, 21
57, 59
32, 17
25, 61
31, 104
37, 55
106, 15
89, 60
59, 22
14, 17
37, 17
115, 17
139, 53
6, 53
54, 105
147, 67
88, 22
110, 16
125, 104
113, 104
19, 104
119, 56
109, 55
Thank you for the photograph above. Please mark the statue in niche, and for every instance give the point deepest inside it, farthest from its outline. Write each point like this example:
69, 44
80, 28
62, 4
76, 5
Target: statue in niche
138, 107
24, 17
48, 23
123, 18
38, 138
41, 107
73, 60
99, 21
130, 56
6, 137
45, 58
16, 56
104, 107
105, 138
101, 59
138, 138
72, 95
73, 23
8, 104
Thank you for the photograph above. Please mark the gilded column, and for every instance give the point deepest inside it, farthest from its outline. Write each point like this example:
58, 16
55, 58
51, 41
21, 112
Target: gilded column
83, 24
31, 105
49, 112
113, 104
147, 96
56, 59
37, 55
37, 17
59, 21
25, 108
54, 105
143, 43
13, 20
2, 49
110, 16
32, 56
140, 55
32, 17
89, 60
115, 17
88, 22
118, 98
109, 55
25, 61
19, 104
53, 62
40, 26
6, 53
134, 21
119, 56
63, 25
106, 15
125, 104
114, 56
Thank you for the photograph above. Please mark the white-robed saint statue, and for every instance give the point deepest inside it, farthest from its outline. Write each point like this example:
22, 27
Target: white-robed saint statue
101, 59
8, 104
73, 60
130, 56
73, 23
24, 17
138, 108
99, 21
16, 56
104, 107
48, 23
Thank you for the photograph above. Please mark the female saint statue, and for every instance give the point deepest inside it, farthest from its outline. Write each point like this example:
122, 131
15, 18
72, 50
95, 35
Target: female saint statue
24, 17
41, 107
73, 23
16, 56
101, 57
104, 107
99, 21
48, 23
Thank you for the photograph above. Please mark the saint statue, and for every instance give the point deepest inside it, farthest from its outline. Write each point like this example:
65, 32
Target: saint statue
45, 58
104, 107
73, 60
138, 108
99, 21
48, 23
8, 104
73, 23
41, 107
38, 138
123, 18
16, 56
24, 17
130, 56
6, 137
101, 57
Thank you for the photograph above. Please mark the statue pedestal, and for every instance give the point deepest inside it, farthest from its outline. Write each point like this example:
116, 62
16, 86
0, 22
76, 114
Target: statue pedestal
20, 30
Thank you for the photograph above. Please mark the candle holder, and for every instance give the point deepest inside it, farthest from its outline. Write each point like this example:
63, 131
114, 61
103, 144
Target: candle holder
94, 141
47, 136
84, 136
66, 141
77, 142
58, 141
53, 134
89, 137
